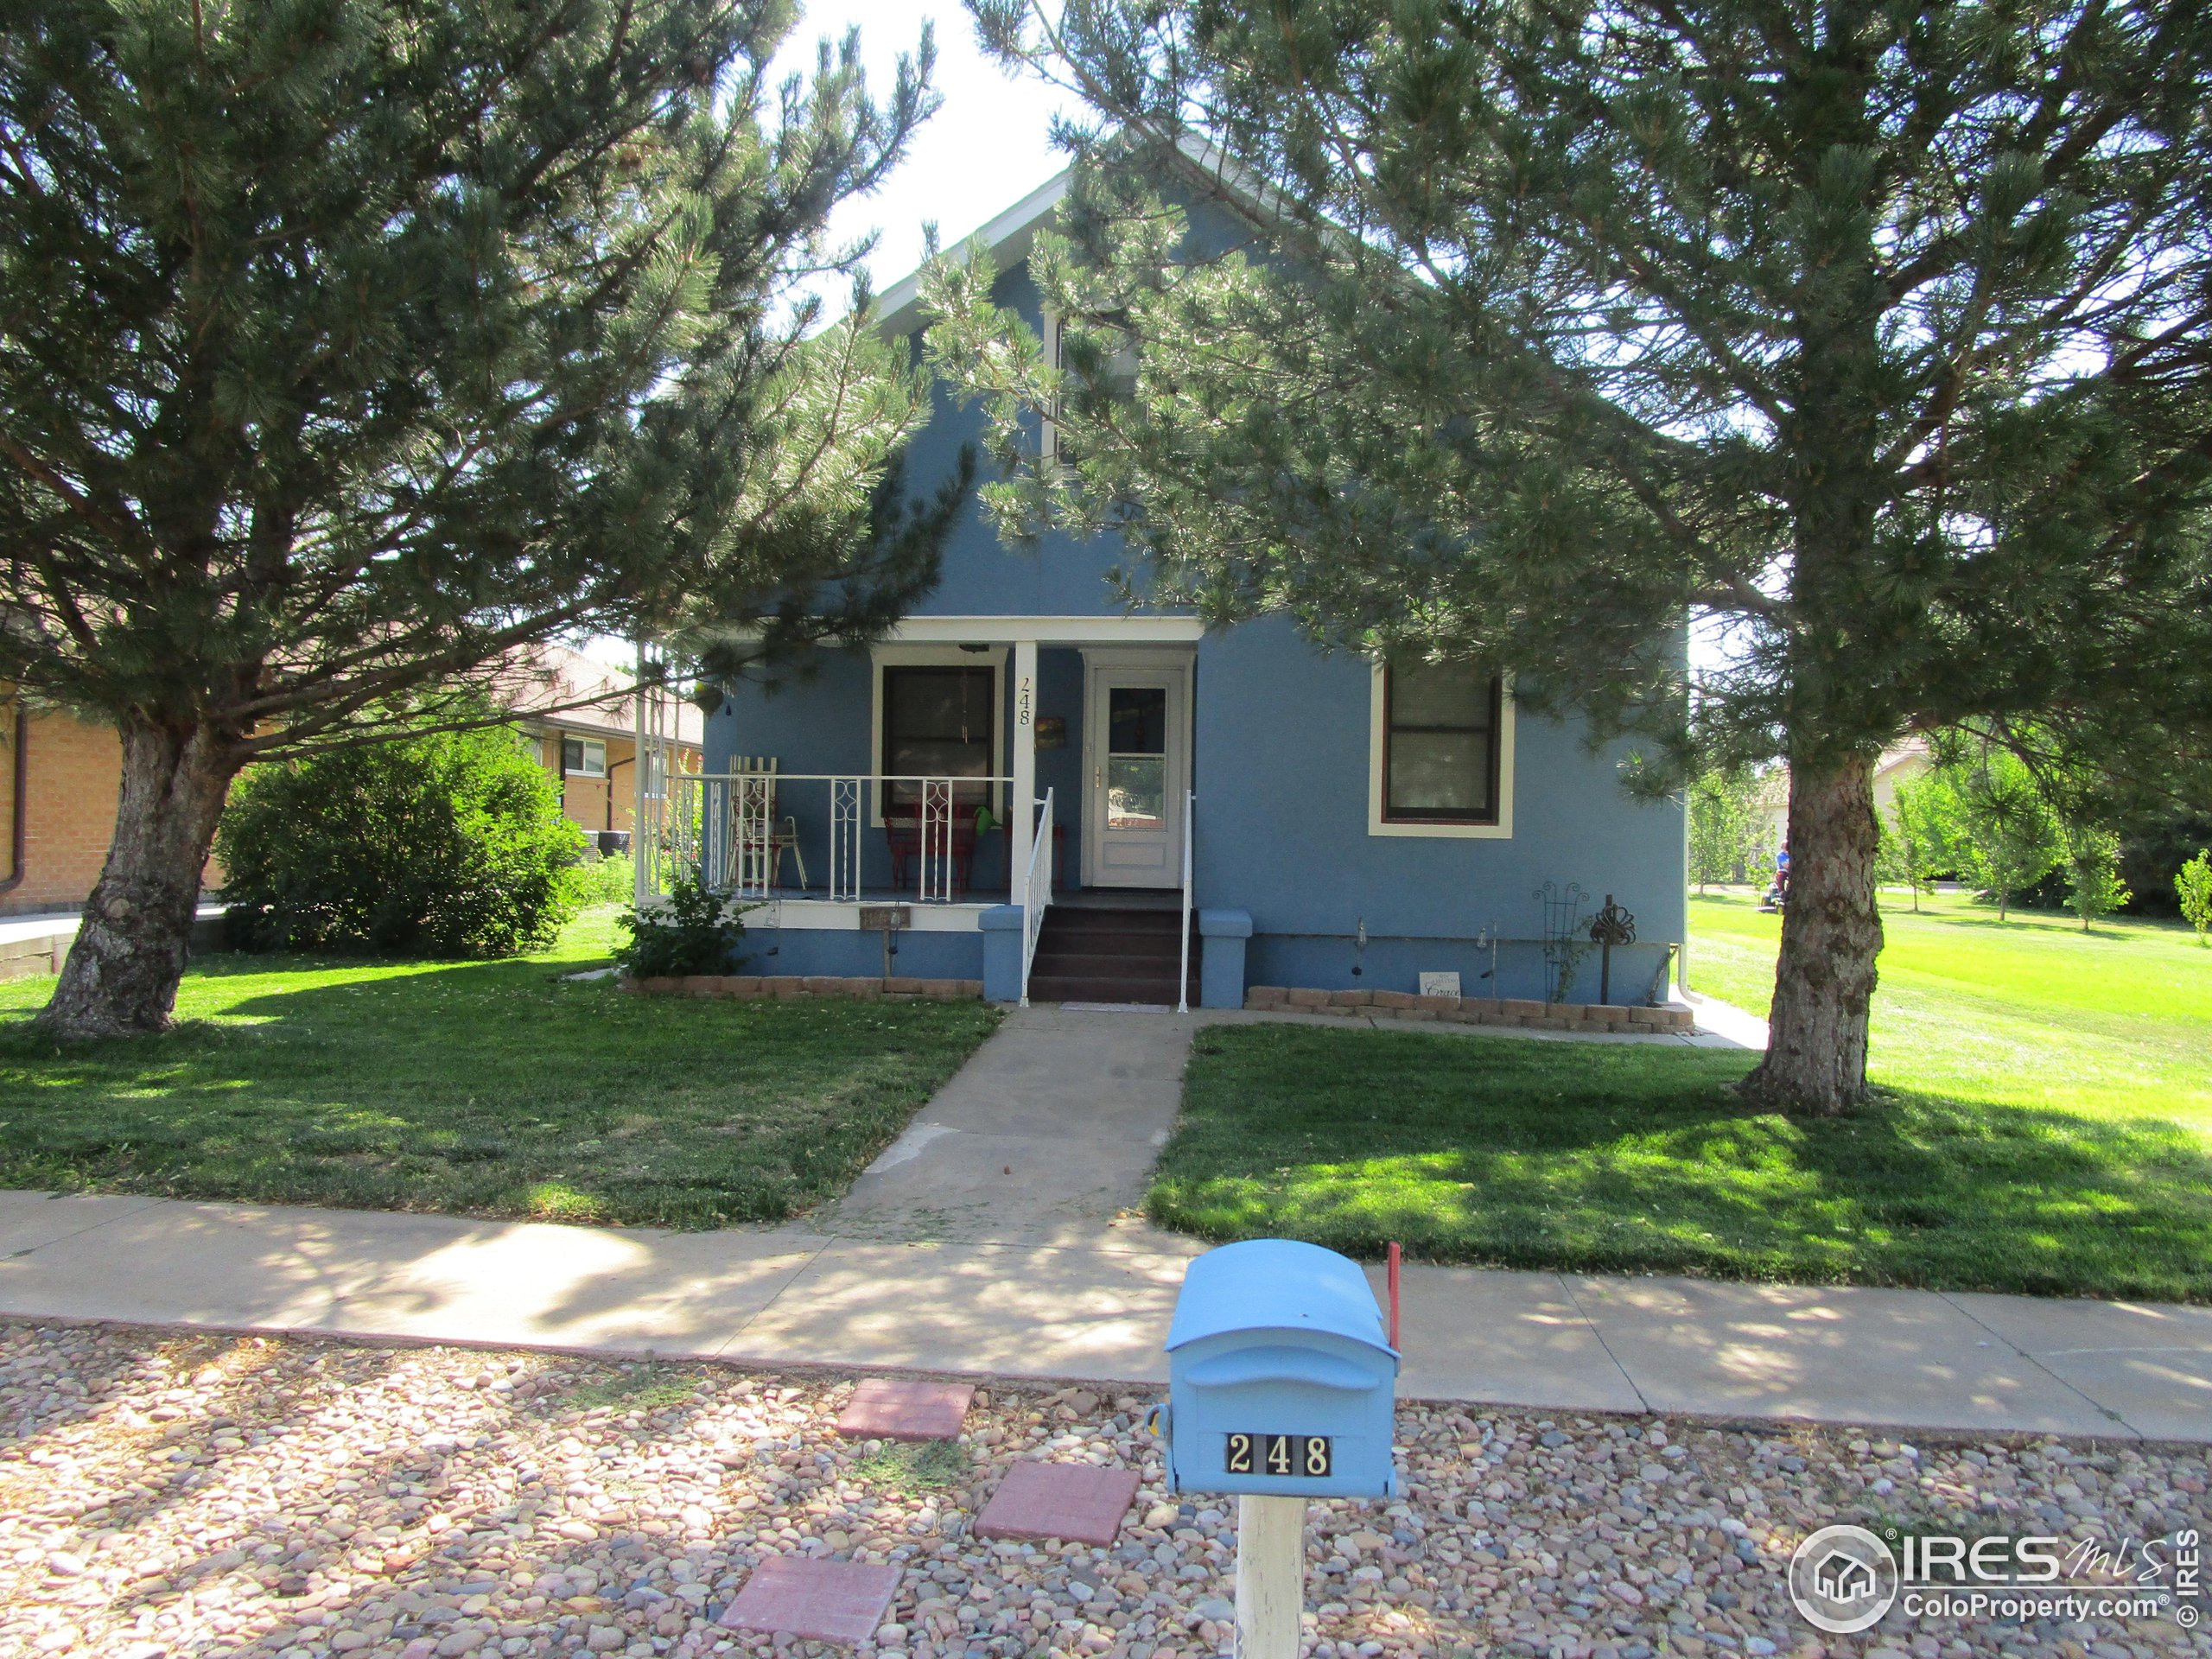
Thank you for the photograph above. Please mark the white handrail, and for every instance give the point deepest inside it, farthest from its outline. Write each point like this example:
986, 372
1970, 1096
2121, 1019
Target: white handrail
1038, 897
1183, 975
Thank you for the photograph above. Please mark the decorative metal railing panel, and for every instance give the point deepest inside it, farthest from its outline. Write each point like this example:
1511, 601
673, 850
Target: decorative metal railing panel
749, 834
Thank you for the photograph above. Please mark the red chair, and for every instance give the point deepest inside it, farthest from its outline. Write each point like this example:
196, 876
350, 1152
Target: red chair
902, 834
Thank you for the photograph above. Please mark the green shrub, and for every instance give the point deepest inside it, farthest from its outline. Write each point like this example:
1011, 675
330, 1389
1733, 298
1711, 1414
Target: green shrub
609, 880
2193, 887
692, 930
451, 844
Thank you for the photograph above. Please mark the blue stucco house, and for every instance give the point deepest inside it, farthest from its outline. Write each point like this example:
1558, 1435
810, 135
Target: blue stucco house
1346, 825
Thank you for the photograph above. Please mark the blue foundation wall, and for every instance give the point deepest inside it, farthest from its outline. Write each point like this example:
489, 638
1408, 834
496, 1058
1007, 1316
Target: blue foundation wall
854, 954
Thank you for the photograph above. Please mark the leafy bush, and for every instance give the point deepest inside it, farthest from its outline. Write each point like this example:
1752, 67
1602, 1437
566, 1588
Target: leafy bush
692, 930
2193, 887
450, 844
609, 880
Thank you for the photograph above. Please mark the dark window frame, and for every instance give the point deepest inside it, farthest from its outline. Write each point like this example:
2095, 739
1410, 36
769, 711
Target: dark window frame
1495, 732
901, 799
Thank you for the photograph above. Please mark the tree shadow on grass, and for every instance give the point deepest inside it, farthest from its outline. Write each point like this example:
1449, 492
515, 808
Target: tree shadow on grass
1574, 1157
489, 1089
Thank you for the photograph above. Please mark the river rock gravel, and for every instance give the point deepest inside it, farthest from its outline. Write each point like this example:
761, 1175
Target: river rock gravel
164, 1496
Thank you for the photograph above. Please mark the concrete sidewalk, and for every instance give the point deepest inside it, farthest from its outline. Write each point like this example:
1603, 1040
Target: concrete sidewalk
1907, 1358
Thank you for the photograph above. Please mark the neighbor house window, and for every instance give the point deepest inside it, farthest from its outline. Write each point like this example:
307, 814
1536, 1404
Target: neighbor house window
584, 757
937, 722
1440, 724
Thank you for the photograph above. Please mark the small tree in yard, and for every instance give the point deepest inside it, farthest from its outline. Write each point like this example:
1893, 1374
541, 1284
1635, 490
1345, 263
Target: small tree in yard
1875, 334
1920, 840
2193, 887
2093, 886
348, 347
2011, 838
451, 844
1722, 825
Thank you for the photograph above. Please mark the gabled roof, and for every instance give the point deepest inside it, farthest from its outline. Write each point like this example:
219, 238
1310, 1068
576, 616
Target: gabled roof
553, 687
1008, 237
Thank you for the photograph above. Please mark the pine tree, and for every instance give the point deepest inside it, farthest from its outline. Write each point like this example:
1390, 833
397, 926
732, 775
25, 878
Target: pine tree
1877, 332
2011, 838
350, 345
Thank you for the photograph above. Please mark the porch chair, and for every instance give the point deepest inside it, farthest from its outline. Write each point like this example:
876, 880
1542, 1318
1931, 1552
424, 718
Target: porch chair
902, 835
752, 852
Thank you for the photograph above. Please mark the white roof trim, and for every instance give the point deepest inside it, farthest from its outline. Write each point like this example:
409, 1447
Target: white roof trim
1049, 630
1008, 237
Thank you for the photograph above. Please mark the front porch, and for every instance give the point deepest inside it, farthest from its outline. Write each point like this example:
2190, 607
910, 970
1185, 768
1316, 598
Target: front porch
980, 772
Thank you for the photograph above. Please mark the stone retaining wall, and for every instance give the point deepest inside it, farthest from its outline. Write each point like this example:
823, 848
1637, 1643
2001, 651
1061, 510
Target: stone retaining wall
789, 987
1469, 1010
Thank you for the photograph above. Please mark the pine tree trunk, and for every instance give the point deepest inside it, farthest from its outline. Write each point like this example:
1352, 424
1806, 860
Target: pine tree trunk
122, 974
1831, 932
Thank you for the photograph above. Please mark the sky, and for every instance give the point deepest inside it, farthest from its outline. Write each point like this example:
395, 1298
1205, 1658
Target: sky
989, 145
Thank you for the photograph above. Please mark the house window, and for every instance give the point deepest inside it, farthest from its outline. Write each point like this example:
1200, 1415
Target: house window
584, 757
1440, 725
938, 721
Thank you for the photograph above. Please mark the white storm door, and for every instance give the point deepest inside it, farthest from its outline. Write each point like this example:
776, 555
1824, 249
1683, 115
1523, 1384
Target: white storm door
1136, 744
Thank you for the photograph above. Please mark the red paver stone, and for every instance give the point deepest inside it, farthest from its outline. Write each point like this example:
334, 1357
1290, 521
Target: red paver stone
816, 1600
886, 1408
1075, 1501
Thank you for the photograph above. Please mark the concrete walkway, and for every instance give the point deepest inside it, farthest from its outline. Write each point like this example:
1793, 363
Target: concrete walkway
1046, 1136
995, 1236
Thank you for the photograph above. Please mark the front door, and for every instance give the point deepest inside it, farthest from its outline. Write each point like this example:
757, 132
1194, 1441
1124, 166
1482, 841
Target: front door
1137, 749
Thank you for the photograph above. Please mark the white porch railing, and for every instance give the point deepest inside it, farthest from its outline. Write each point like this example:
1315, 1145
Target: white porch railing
1183, 973
740, 831
1037, 894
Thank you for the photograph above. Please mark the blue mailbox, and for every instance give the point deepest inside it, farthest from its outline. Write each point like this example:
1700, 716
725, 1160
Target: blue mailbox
1281, 1381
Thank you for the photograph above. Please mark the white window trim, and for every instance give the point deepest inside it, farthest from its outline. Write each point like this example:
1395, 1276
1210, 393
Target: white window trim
883, 657
588, 744
1377, 740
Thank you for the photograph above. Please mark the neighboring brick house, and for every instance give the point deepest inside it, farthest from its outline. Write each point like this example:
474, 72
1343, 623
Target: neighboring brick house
59, 776
593, 749
58, 781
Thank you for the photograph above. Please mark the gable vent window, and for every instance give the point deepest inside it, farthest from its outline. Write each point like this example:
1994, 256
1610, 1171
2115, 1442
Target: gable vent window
1121, 370
1440, 744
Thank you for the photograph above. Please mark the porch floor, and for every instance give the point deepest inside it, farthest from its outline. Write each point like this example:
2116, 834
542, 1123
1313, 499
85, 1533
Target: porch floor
1075, 899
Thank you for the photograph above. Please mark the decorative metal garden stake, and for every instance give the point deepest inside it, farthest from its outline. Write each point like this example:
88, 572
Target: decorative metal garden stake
1610, 926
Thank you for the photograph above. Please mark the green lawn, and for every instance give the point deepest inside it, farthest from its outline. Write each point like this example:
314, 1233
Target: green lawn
486, 1088
2044, 1123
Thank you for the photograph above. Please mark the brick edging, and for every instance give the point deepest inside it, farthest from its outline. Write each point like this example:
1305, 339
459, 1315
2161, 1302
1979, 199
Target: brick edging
792, 987
1469, 1010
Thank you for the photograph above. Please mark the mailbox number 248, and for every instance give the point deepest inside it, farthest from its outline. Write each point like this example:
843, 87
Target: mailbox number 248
1287, 1456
